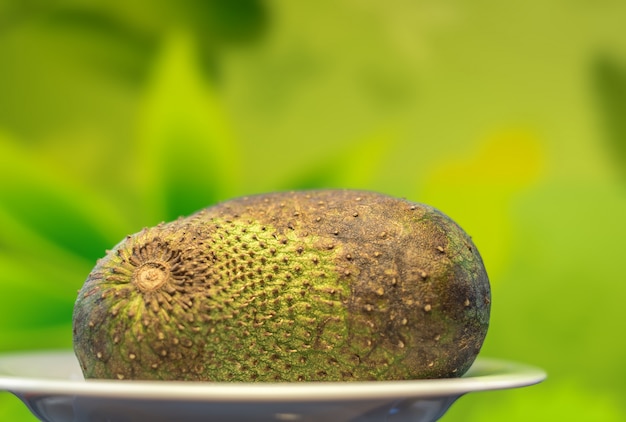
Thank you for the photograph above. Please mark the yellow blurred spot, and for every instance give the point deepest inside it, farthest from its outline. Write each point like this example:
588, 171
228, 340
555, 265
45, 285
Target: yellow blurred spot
477, 191
512, 159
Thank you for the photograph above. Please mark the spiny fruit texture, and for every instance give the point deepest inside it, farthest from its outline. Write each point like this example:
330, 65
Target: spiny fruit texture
330, 285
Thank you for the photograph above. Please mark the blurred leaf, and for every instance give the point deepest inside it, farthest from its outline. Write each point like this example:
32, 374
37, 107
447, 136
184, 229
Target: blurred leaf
35, 194
29, 286
229, 20
609, 81
120, 40
70, 63
45, 91
27, 245
187, 153
94, 38
56, 217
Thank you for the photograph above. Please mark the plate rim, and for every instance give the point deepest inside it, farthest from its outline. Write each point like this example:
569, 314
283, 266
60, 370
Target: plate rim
502, 374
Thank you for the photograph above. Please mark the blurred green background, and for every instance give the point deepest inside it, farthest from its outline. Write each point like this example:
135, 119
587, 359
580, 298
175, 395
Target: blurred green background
508, 116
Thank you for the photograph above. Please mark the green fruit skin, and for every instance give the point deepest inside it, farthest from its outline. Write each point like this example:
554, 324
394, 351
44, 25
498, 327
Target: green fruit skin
328, 285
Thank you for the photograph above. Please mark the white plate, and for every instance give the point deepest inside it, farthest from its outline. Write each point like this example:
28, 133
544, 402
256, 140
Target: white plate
52, 386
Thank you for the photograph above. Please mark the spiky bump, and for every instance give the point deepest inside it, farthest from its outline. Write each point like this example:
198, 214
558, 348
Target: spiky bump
323, 285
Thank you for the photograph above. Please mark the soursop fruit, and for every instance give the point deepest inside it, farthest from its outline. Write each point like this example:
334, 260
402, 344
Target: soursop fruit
328, 285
